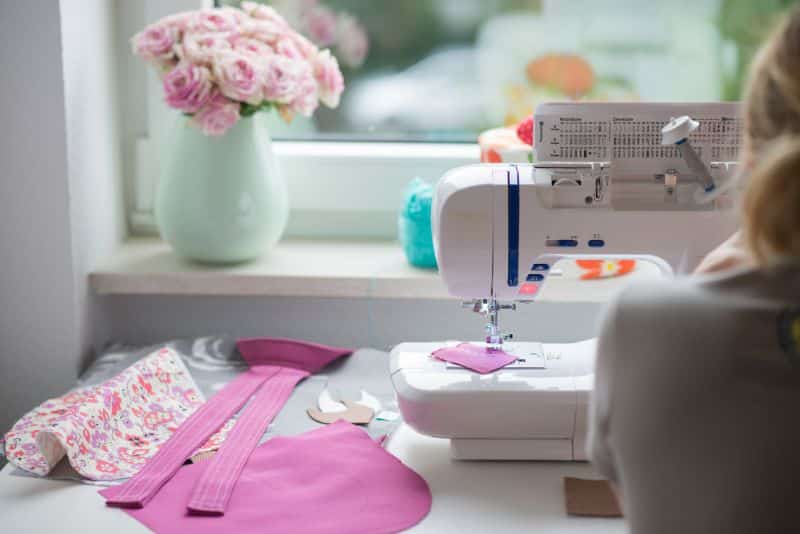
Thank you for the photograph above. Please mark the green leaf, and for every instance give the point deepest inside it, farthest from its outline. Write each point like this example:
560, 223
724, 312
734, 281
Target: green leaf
247, 109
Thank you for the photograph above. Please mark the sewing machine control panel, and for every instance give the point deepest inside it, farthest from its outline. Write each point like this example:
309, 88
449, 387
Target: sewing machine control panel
620, 132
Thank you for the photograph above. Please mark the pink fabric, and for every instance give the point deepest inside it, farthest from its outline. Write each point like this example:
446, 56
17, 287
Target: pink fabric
214, 489
311, 357
475, 357
202, 423
267, 358
109, 431
335, 480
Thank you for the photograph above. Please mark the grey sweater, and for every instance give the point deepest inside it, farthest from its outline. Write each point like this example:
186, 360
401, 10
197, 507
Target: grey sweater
696, 410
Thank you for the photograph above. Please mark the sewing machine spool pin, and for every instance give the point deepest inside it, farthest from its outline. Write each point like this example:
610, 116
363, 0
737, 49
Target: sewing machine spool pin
676, 133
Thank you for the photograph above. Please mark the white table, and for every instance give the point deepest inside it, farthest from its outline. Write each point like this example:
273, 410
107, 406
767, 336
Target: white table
467, 497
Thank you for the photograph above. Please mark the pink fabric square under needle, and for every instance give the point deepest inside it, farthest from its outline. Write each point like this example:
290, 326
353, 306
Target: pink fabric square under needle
335, 480
475, 357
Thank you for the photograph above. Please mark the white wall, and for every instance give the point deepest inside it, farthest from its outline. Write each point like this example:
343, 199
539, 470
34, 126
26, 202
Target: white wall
58, 193
93, 148
377, 323
38, 341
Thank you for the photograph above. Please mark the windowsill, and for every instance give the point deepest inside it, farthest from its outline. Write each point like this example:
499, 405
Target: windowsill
302, 268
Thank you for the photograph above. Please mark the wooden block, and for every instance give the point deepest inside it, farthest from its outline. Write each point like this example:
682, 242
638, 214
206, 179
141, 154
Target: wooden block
590, 498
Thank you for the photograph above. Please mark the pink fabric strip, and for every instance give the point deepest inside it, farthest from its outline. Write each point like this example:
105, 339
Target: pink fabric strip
215, 487
206, 420
286, 361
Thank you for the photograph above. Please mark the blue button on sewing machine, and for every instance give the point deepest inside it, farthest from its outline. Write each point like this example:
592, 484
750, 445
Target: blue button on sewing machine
596, 243
567, 243
534, 277
540, 267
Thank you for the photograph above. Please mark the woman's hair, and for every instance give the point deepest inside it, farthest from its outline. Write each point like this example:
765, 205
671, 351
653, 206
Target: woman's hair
771, 204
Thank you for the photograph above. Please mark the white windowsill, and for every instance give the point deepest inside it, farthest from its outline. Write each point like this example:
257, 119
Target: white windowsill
302, 268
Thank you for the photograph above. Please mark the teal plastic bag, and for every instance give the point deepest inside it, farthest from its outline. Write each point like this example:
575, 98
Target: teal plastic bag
414, 224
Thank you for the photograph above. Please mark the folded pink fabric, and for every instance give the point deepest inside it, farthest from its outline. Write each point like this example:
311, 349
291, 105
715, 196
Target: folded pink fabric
475, 357
334, 480
269, 358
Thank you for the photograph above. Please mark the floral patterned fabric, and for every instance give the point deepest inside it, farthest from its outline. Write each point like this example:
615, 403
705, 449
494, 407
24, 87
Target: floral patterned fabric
109, 431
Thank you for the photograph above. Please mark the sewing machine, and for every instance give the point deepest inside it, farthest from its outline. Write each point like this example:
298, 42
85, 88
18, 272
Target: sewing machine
618, 191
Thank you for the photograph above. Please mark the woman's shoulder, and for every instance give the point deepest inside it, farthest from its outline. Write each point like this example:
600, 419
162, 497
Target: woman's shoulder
693, 313
778, 285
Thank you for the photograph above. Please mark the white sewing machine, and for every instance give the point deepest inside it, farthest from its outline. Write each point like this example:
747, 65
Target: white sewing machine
631, 190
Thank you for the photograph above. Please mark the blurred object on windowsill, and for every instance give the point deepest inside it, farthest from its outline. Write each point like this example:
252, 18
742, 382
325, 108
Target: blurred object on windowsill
501, 145
414, 224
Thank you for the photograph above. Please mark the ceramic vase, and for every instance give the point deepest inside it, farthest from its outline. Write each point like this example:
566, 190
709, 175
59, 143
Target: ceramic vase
221, 199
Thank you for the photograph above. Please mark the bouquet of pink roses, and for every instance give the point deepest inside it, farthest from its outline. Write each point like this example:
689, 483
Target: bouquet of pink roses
221, 64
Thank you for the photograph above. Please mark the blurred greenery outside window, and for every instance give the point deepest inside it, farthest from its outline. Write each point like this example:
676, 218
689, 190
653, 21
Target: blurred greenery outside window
444, 70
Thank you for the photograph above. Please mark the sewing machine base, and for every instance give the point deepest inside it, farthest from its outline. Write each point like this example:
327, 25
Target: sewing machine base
515, 413
515, 449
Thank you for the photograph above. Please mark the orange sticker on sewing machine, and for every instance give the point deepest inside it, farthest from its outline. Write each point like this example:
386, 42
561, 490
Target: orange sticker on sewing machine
596, 269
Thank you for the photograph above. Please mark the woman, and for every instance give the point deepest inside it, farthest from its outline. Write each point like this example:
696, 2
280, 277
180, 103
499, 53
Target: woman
696, 412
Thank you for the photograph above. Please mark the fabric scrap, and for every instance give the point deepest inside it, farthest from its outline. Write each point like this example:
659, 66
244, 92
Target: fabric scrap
475, 357
109, 431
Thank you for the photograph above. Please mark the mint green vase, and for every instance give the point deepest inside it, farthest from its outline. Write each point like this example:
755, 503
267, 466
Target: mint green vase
221, 199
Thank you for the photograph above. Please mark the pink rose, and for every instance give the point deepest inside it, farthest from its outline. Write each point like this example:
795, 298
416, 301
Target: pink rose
329, 78
266, 31
217, 116
215, 20
202, 48
306, 47
187, 87
287, 48
321, 23
282, 78
306, 98
250, 46
262, 12
353, 41
155, 43
179, 22
239, 76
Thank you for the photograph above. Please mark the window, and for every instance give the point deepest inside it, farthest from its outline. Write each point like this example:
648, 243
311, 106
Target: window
444, 70
426, 73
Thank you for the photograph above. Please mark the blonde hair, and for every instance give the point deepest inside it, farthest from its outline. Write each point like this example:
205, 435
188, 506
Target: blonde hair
771, 204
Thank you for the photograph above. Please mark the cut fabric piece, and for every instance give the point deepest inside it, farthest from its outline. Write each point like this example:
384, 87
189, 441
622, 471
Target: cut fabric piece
593, 498
475, 357
268, 358
108, 431
334, 480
